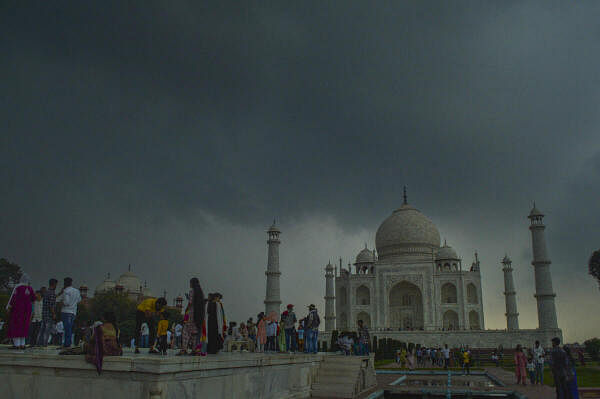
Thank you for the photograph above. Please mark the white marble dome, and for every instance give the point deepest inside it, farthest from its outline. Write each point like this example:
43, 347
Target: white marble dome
406, 230
106, 285
365, 256
447, 253
130, 282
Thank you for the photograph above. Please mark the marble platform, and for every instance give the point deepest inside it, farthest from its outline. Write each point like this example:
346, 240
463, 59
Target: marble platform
42, 373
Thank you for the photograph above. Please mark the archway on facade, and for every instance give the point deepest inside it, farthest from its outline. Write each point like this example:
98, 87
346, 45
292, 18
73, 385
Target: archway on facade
363, 296
343, 296
450, 320
472, 294
364, 316
405, 307
449, 293
343, 322
474, 320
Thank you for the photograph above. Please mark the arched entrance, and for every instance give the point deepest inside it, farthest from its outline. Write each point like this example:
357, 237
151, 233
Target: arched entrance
450, 320
474, 320
406, 307
363, 296
364, 316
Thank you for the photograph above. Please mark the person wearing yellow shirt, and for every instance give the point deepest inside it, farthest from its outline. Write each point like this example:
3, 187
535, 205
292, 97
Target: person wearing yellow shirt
146, 309
161, 333
467, 360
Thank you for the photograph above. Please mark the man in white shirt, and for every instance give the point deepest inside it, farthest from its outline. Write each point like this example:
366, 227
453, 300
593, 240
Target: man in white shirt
36, 319
178, 331
538, 360
70, 297
446, 353
145, 334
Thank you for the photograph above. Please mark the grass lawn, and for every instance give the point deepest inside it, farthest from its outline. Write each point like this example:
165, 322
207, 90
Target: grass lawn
587, 377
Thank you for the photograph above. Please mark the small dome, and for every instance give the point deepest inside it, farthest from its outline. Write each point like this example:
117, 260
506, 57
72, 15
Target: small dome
130, 282
146, 292
406, 230
447, 253
535, 212
365, 256
106, 285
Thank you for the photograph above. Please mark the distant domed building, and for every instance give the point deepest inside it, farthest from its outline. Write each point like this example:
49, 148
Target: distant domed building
414, 289
128, 283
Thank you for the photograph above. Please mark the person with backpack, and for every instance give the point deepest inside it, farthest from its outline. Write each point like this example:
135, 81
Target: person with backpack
311, 329
289, 325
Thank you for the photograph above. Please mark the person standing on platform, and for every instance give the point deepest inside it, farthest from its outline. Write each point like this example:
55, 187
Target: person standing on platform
19, 308
195, 313
214, 323
446, 353
311, 329
289, 325
161, 333
466, 358
538, 361
145, 336
561, 371
520, 366
70, 297
261, 332
251, 327
178, 329
301, 335
147, 309
48, 313
59, 334
363, 339
36, 319
572, 380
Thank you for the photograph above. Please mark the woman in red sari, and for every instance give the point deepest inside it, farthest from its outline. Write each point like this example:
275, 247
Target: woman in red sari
19, 307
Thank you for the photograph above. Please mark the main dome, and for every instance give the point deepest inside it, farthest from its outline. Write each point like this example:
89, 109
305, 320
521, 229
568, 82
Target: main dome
406, 230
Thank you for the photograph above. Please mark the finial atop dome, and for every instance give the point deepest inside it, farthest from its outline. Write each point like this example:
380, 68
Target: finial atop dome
405, 196
129, 267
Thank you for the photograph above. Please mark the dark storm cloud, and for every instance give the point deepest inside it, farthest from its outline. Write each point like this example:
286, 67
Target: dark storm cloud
123, 119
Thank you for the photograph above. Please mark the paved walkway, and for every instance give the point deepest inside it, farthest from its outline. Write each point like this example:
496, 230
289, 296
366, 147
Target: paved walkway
531, 391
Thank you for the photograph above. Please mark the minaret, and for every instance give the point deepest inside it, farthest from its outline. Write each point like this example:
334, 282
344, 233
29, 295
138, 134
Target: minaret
510, 295
272, 299
329, 299
544, 293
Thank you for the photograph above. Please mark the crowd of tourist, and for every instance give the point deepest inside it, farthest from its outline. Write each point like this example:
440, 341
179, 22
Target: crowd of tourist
33, 320
46, 317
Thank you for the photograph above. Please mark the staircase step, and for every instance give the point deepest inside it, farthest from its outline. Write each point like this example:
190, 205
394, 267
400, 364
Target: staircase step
334, 380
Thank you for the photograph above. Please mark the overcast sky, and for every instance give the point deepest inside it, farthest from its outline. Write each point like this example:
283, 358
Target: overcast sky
168, 135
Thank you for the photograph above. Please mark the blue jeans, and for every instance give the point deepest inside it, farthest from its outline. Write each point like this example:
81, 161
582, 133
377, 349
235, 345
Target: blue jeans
144, 341
45, 331
363, 349
311, 340
290, 339
539, 373
67, 319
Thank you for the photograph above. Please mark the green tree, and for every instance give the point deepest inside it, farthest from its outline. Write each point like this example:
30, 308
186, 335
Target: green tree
10, 273
3, 302
594, 266
592, 346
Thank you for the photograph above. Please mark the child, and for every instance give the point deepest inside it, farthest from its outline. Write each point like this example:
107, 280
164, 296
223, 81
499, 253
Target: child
163, 326
271, 335
531, 370
301, 336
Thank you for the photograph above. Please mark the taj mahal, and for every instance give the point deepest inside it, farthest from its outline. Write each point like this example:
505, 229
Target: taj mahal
413, 288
